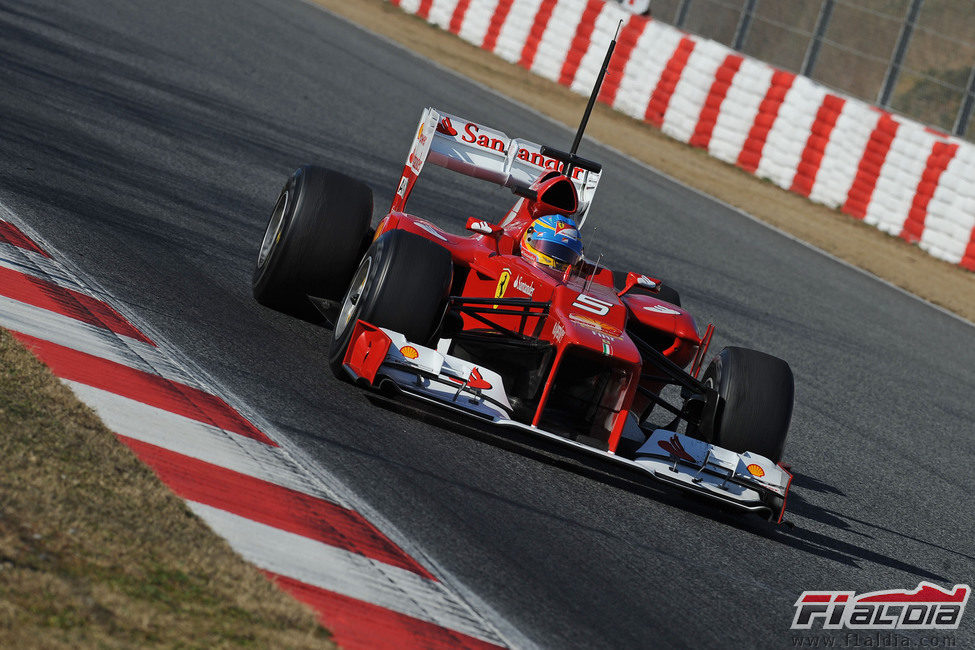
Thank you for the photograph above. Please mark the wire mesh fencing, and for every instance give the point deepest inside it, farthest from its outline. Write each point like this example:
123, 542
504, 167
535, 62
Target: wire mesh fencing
914, 57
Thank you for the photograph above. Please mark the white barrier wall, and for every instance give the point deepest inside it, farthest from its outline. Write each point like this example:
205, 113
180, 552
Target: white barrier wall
887, 170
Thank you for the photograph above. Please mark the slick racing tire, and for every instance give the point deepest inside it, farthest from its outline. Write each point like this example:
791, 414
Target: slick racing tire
666, 293
402, 284
757, 393
316, 234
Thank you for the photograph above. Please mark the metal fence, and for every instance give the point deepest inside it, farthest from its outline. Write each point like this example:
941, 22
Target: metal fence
915, 57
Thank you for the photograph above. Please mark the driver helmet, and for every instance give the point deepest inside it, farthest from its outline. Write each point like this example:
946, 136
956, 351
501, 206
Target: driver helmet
552, 241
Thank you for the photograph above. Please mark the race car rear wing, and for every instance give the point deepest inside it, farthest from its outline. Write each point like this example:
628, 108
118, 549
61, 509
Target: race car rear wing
485, 153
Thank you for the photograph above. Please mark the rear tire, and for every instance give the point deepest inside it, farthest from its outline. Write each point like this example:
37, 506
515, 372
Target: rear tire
402, 283
757, 393
317, 232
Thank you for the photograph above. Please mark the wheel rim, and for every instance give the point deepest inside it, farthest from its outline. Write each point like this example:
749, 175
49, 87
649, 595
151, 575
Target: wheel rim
274, 227
352, 303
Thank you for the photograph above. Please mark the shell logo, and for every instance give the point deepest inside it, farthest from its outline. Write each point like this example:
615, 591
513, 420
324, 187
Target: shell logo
756, 470
409, 352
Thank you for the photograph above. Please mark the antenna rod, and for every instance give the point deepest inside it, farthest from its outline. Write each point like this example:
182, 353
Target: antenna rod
593, 96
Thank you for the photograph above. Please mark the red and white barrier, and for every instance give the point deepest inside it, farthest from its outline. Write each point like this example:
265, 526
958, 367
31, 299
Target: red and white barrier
304, 535
884, 169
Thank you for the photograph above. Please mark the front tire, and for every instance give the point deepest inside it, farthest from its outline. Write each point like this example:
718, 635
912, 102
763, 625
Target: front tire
757, 393
317, 232
402, 283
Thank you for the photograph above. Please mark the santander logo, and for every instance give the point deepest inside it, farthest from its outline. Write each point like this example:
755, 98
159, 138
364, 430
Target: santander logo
472, 134
475, 381
675, 448
445, 127
524, 287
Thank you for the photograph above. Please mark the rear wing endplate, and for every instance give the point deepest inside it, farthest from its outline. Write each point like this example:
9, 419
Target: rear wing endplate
485, 153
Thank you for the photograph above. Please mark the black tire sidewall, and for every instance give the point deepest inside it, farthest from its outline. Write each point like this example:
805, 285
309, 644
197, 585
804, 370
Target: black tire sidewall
324, 229
757, 394
271, 273
406, 289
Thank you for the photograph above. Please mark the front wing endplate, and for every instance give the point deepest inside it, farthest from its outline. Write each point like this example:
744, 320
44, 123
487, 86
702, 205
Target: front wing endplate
744, 480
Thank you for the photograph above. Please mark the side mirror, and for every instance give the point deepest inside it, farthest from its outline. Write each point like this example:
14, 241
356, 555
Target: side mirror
639, 280
484, 228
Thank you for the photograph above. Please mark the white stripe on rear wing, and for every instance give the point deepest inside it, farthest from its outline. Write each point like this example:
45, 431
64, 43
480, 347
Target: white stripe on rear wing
482, 152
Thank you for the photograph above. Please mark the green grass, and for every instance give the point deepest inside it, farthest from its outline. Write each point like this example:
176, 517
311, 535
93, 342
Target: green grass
96, 553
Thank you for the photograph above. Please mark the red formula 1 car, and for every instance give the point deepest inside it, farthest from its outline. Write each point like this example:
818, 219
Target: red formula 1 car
491, 326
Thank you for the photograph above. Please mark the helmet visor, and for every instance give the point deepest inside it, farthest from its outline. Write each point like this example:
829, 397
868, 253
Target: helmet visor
563, 254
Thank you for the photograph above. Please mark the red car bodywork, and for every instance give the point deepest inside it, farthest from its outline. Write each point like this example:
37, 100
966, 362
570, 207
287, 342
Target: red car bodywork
468, 324
586, 318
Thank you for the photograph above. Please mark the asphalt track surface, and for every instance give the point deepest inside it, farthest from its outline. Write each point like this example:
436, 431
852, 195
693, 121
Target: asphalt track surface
147, 141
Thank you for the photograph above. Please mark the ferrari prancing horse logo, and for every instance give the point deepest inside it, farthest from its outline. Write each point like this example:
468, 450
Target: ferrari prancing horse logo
503, 280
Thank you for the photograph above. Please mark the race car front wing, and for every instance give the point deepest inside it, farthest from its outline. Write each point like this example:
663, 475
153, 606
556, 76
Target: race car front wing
383, 358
